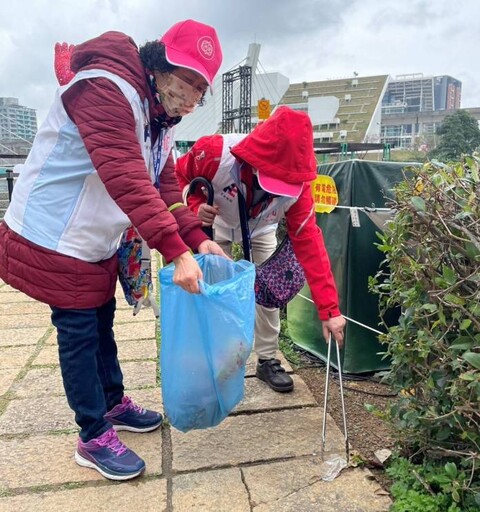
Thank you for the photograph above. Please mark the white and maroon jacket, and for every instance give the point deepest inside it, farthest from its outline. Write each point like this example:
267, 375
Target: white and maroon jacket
60, 248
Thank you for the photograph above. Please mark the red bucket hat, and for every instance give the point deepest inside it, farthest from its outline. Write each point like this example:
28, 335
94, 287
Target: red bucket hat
193, 45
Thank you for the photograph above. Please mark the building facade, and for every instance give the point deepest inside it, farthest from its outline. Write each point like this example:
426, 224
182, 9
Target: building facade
409, 107
16, 121
342, 110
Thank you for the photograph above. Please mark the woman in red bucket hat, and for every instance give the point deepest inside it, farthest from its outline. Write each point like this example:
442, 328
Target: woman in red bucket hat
101, 161
270, 170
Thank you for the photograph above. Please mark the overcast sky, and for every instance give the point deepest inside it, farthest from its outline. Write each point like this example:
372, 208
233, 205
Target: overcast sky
305, 40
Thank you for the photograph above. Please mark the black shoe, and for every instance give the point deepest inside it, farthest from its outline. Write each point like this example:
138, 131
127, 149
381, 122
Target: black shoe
271, 372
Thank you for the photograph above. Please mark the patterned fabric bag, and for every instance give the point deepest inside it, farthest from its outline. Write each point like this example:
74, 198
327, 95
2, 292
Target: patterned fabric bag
134, 259
134, 271
280, 278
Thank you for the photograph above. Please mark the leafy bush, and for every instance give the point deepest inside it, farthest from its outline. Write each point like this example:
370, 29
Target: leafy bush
432, 271
427, 487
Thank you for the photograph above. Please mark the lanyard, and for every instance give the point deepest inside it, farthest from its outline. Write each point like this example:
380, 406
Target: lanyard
242, 210
157, 158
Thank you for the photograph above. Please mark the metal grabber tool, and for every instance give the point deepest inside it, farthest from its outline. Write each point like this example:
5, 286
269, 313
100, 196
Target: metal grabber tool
324, 428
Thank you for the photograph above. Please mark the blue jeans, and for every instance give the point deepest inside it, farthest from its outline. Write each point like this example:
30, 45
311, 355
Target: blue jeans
91, 373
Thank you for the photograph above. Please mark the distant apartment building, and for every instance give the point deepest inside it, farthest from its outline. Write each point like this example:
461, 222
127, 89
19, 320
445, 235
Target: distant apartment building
414, 105
16, 121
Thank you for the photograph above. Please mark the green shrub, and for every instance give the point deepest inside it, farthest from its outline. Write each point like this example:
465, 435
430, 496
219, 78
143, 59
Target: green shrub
432, 271
429, 487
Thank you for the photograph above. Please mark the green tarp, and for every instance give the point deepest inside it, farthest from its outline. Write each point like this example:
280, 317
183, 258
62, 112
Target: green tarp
354, 258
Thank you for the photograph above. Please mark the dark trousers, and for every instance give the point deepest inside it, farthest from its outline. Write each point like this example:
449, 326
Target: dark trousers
91, 373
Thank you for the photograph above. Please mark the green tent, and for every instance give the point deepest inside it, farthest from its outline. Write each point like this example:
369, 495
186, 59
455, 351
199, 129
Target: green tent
366, 185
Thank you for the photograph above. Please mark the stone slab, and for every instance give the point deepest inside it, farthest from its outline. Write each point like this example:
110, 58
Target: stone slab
52, 413
255, 438
17, 321
139, 494
132, 331
52, 338
40, 382
259, 397
24, 308
26, 459
22, 336
148, 398
6, 379
137, 349
298, 485
36, 415
123, 332
13, 297
127, 350
139, 374
48, 355
210, 491
16, 357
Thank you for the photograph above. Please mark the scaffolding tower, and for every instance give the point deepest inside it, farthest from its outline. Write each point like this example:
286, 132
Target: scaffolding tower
242, 112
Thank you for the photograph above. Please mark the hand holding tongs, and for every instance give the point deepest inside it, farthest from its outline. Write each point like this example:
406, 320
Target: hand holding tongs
347, 449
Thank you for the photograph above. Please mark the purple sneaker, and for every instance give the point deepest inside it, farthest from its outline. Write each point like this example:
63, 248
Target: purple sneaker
109, 456
129, 416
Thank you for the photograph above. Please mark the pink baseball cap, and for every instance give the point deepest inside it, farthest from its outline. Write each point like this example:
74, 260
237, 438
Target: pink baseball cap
279, 187
193, 45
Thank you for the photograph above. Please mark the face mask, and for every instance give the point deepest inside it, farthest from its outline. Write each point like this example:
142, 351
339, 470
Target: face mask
178, 98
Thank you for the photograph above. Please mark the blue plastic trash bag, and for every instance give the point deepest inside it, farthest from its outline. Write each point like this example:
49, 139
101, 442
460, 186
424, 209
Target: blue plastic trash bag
206, 341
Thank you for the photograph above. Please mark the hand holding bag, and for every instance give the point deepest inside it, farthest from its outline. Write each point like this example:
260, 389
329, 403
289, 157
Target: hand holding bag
206, 341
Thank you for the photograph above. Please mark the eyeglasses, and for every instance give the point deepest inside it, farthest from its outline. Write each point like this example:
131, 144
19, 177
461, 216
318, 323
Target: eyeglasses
191, 79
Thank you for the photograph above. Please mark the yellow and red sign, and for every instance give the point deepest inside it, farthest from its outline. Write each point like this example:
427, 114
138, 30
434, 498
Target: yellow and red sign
263, 106
324, 193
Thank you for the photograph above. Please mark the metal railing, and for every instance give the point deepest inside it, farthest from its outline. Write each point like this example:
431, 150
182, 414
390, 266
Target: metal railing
10, 181
9, 175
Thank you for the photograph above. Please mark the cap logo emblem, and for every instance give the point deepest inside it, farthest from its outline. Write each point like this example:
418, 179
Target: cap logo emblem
206, 47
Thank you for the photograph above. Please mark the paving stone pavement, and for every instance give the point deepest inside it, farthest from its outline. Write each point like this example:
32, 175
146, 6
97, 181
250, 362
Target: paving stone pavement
265, 457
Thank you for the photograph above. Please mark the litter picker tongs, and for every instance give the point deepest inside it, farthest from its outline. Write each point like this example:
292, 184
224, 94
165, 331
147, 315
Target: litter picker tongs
324, 428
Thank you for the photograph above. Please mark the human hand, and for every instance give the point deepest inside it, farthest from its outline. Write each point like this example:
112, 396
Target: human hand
61, 62
207, 214
210, 247
335, 326
187, 273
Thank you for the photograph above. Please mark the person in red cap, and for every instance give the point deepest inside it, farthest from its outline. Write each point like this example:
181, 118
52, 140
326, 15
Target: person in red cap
272, 169
101, 161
